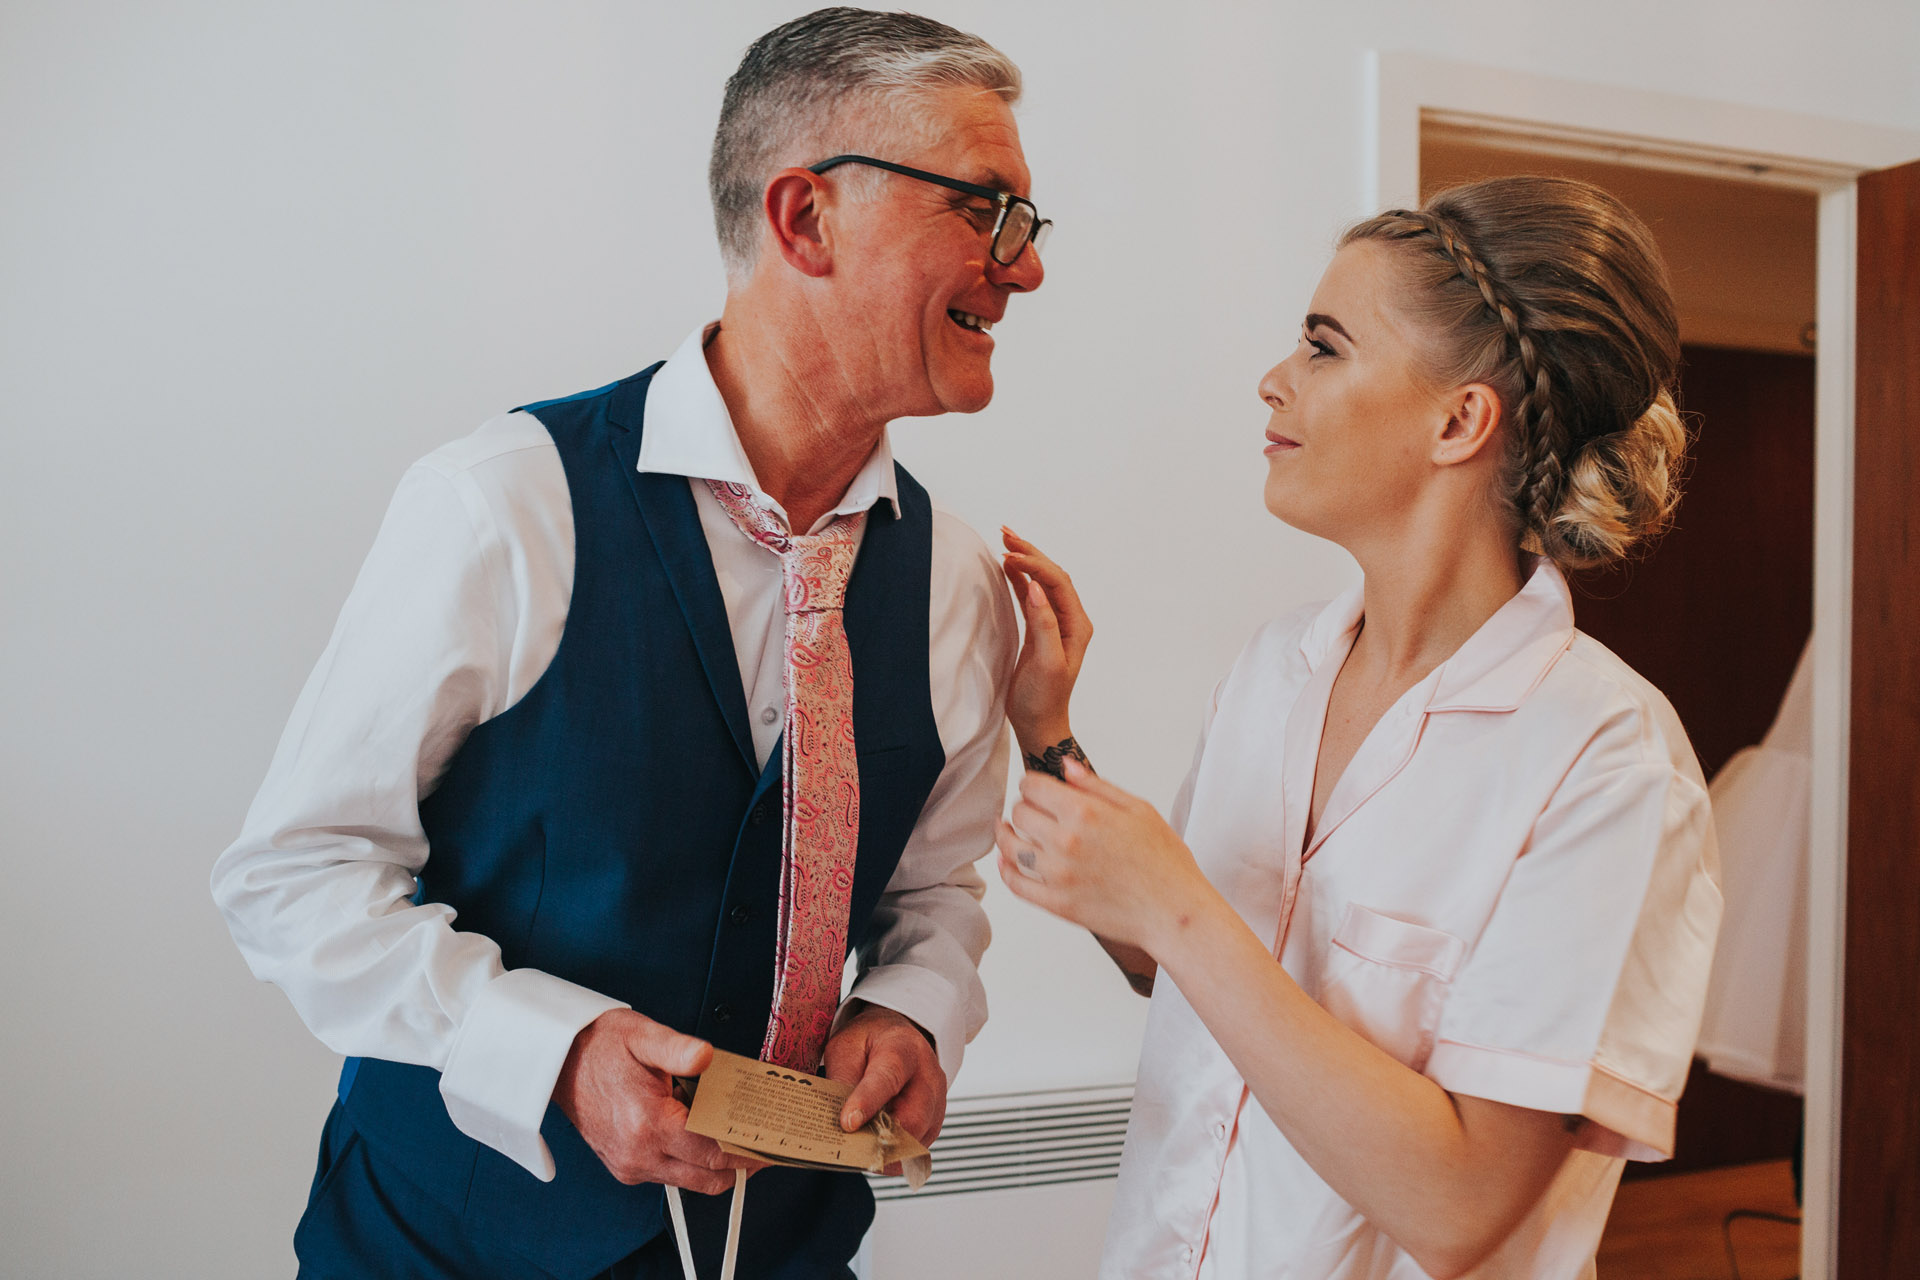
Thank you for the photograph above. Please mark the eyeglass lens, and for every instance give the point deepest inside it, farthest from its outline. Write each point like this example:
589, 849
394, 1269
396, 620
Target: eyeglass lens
1015, 229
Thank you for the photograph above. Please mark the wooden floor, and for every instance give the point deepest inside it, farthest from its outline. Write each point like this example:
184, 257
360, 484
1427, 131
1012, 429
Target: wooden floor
1670, 1228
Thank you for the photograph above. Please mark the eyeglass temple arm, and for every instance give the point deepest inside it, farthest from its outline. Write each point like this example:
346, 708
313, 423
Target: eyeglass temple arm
971, 188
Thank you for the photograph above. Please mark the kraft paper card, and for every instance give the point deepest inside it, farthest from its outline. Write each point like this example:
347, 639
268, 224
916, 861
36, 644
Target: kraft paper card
766, 1112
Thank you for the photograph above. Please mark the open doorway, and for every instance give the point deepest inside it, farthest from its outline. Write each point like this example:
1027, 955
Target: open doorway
1718, 619
1862, 1025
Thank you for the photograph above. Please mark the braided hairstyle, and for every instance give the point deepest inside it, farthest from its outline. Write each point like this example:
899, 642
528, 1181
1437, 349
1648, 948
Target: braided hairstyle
1554, 294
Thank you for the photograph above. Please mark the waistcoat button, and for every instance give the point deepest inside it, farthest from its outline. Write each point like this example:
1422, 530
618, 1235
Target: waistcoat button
722, 1013
760, 813
740, 915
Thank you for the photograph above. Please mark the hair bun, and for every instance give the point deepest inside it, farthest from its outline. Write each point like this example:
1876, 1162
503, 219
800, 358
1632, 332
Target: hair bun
1620, 490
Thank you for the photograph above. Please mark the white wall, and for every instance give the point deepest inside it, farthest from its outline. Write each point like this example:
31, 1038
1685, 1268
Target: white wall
254, 258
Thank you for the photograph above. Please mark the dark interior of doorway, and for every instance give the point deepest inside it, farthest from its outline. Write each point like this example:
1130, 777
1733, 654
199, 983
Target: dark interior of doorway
1716, 619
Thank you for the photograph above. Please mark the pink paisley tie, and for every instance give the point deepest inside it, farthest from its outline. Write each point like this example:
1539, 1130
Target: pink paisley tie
820, 782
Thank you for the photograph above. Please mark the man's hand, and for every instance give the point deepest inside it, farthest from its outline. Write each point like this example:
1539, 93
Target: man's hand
617, 1088
892, 1065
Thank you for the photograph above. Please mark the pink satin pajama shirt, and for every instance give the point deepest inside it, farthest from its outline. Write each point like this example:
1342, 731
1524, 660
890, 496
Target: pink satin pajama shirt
1512, 890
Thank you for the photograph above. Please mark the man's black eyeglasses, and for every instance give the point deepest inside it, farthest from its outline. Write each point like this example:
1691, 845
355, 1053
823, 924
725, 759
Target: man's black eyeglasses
1018, 225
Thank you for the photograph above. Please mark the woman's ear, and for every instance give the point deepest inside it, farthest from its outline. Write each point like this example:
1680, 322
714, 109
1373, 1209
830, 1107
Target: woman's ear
793, 211
1473, 416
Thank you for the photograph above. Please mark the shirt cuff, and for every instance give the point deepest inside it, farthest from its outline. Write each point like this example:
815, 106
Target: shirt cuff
925, 997
1624, 1119
501, 1071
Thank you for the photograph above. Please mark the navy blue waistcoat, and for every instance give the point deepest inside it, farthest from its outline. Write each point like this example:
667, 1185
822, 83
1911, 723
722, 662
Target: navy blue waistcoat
611, 828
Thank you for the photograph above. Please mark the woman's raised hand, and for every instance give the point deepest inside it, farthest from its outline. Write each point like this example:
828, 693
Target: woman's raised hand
1058, 630
1101, 857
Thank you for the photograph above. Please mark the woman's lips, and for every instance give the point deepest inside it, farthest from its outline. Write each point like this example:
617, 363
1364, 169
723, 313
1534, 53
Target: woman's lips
1277, 443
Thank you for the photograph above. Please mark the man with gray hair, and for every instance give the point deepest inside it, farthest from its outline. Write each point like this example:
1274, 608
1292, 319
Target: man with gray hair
673, 695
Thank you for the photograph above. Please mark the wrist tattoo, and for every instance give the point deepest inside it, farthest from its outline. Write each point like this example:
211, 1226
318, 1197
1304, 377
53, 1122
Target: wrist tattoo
1052, 760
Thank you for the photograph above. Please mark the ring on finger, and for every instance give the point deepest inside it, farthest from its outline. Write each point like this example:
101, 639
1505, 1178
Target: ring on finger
1029, 863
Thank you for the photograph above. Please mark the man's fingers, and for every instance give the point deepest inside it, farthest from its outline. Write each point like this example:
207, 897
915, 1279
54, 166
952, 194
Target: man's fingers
693, 1177
664, 1049
922, 1105
846, 1057
886, 1075
676, 1142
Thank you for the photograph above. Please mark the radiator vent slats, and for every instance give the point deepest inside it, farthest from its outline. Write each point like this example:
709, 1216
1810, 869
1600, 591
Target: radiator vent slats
1005, 1140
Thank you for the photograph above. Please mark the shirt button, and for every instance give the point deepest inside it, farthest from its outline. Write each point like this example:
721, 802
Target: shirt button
722, 1013
769, 715
740, 915
1220, 1132
1186, 1255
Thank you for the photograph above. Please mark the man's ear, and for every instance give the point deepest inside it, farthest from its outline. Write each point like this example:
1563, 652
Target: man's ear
1474, 413
792, 209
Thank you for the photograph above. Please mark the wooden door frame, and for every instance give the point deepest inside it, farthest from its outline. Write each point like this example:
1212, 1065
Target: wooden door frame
1409, 93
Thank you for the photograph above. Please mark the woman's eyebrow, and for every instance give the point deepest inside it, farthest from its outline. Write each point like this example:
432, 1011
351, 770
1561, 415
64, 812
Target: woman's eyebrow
1317, 321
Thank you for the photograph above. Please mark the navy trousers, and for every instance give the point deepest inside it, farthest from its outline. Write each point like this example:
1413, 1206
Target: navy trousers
367, 1221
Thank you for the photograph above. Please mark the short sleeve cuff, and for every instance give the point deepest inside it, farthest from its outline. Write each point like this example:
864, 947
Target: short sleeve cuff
928, 999
512, 1043
1624, 1119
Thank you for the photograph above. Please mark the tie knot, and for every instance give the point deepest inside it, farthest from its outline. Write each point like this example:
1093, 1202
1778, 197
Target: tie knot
815, 566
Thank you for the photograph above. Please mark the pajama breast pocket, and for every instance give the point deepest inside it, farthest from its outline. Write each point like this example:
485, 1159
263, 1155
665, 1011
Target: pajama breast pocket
1387, 979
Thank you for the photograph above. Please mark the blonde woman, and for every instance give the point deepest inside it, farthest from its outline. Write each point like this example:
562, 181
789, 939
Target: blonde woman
1432, 921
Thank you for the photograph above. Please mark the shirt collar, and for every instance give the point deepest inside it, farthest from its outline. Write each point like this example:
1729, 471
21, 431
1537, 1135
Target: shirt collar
688, 432
1499, 664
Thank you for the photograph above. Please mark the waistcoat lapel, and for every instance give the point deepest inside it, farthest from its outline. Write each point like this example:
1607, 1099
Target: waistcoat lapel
673, 522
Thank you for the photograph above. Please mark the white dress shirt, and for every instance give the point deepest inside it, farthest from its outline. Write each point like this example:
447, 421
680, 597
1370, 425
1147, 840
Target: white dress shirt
456, 613
1511, 890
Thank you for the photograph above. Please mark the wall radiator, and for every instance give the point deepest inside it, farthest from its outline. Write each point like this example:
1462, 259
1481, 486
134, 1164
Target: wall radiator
1021, 1186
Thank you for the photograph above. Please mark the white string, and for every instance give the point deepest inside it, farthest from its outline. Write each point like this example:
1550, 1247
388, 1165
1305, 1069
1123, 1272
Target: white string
733, 1223
678, 1213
